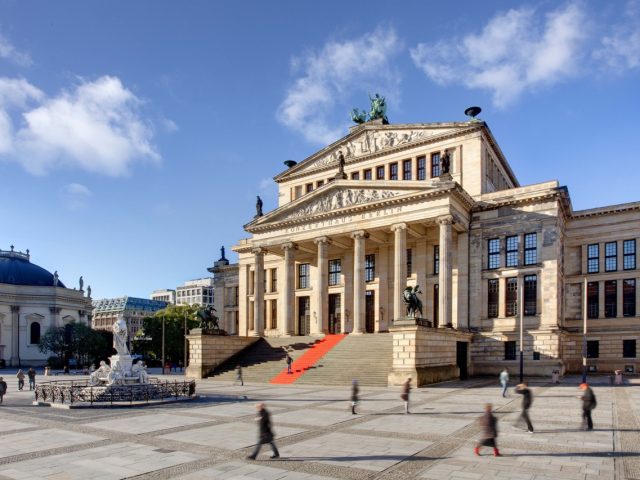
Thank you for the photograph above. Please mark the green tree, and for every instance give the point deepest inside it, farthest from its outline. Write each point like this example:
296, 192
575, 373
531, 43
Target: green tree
77, 341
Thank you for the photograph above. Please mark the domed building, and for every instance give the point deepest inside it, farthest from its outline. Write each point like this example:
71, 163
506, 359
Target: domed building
32, 300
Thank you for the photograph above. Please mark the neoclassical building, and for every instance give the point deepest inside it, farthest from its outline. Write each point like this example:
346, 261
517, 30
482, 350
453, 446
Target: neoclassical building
32, 300
438, 206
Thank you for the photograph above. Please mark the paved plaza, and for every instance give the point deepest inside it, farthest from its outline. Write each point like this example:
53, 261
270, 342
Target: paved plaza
320, 439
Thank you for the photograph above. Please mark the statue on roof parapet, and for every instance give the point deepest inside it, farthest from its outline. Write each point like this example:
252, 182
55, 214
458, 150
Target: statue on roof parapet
258, 206
378, 111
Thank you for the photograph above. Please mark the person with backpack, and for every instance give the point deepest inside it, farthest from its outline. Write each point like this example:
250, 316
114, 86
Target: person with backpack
588, 403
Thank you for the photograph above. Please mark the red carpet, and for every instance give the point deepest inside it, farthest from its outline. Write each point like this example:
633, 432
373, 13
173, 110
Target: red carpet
308, 359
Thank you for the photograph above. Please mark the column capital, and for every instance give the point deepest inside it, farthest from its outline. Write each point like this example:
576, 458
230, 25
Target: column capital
258, 250
445, 220
398, 226
323, 239
289, 246
359, 234
15, 308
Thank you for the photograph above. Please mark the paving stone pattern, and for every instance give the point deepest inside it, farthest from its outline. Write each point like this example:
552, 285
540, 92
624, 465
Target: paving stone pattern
320, 439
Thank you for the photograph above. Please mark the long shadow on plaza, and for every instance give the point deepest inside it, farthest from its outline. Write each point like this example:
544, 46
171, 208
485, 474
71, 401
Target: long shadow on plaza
354, 458
575, 454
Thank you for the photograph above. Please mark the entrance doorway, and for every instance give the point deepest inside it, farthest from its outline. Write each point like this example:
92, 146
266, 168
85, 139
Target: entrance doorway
462, 359
334, 313
304, 315
436, 304
370, 311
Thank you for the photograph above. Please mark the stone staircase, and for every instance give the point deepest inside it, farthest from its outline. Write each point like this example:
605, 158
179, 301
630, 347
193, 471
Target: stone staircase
366, 358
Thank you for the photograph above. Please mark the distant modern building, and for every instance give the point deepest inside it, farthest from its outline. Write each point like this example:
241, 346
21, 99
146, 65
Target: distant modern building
164, 295
226, 282
131, 309
195, 292
31, 301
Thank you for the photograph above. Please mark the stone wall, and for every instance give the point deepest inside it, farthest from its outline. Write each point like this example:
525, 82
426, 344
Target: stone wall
206, 352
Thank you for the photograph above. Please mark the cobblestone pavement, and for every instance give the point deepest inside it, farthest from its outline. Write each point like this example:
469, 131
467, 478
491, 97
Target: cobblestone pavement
319, 438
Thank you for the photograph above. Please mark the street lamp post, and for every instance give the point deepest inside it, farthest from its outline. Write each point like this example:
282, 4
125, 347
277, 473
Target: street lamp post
163, 344
521, 312
584, 332
184, 363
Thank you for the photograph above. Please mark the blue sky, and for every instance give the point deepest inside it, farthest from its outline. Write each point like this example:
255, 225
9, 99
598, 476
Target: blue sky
134, 136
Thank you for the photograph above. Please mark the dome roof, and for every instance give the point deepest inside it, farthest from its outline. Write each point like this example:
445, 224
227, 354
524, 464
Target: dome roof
16, 269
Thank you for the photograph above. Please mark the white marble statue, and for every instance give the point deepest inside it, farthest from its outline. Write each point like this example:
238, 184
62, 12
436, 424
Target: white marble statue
100, 375
116, 375
120, 335
139, 371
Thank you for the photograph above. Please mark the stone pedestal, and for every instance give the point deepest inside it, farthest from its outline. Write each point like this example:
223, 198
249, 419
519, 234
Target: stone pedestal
126, 362
206, 351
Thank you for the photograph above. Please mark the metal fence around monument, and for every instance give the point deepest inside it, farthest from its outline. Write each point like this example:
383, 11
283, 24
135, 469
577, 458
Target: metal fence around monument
70, 392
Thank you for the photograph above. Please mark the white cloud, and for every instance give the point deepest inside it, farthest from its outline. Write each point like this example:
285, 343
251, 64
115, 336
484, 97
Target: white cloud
76, 196
14, 93
9, 52
620, 50
516, 51
77, 189
96, 127
330, 75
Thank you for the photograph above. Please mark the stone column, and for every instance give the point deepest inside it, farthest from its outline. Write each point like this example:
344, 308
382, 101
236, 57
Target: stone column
445, 275
55, 316
258, 293
15, 336
288, 288
320, 325
358, 281
399, 268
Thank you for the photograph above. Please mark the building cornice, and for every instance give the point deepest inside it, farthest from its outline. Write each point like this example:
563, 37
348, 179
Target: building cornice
608, 210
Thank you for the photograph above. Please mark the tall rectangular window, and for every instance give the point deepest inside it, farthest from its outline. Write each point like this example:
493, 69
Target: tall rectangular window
380, 172
436, 259
421, 167
494, 253
510, 350
303, 275
274, 314
436, 305
593, 300
367, 174
629, 254
406, 169
593, 258
335, 269
530, 294
629, 348
369, 268
298, 191
493, 293
264, 282
593, 348
435, 165
530, 249
512, 251
309, 187
629, 297
393, 171
409, 262
610, 298
511, 297
274, 279
252, 282
319, 183
355, 175
610, 256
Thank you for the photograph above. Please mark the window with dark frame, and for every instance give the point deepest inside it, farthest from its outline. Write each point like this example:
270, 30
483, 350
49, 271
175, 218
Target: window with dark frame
530, 295
367, 174
536, 355
380, 172
493, 294
274, 314
629, 254
435, 165
34, 331
369, 268
610, 298
303, 275
355, 175
335, 270
510, 350
629, 348
512, 251
436, 304
593, 258
393, 171
511, 297
264, 282
252, 282
421, 168
409, 262
274, 280
494, 253
531, 249
309, 187
319, 183
629, 297
593, 348
593, 300
406, 170
611, 256
436, 259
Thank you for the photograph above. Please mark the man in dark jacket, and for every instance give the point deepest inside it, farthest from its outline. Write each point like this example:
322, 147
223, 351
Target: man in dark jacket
265, 434
3, 388
588, 403
354, 396
527, 398
489, 425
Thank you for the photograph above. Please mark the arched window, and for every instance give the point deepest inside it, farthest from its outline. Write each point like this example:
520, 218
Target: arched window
35, 333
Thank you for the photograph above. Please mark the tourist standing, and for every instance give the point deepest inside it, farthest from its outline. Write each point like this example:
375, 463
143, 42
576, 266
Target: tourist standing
3, 388
289, 362
239, 376
20, 376
588, 403
527, 398
406, 388
31, 373
354, 396
489, 425
265, 434
504, 381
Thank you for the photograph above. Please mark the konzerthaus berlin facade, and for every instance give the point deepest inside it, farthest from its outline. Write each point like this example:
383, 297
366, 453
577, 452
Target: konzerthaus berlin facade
338, 252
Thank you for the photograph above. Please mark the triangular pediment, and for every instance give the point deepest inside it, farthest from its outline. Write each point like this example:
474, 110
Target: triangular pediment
368, 140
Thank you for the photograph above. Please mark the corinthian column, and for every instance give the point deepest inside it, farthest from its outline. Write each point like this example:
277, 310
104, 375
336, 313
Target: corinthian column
445, 275
321, 290
399, 267
288, 286
258, 292
358, 281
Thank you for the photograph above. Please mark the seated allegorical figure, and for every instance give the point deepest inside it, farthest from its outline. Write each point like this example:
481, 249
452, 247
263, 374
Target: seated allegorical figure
100, 375
139, 371
116, 374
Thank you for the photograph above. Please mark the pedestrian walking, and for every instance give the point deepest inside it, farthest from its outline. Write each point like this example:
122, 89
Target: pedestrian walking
20, 376
289, 362
239, 376
489, 425
31, 373
3, 389
527, 398
265, 434
504, 381
588, 403
406, 388
354, 396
